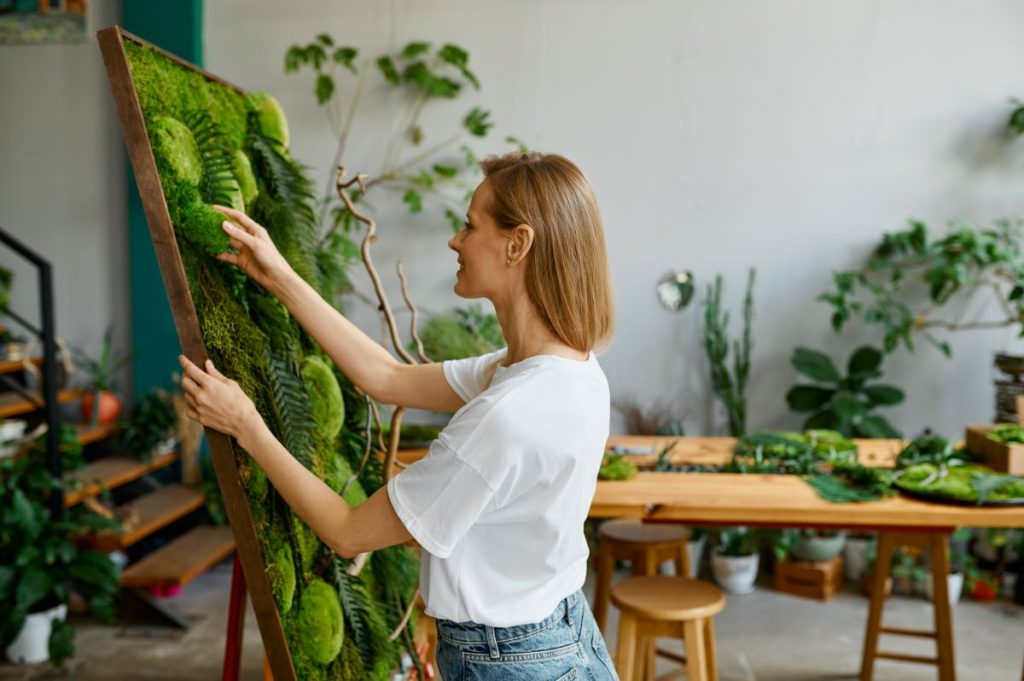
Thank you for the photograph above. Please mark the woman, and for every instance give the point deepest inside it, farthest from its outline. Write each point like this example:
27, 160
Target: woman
499, 501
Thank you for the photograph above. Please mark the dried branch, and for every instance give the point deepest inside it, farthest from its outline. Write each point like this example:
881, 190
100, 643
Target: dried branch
392, 450
368, 239
420, 352
405, 618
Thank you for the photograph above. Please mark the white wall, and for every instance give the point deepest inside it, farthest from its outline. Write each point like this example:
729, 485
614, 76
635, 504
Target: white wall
62, 184
719, 135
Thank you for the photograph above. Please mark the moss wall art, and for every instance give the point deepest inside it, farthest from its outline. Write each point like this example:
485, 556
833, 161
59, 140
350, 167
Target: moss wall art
211, 143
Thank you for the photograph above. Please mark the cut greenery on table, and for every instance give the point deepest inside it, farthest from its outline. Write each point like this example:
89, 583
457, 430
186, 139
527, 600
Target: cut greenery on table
969, 484
616, 467
1007, 433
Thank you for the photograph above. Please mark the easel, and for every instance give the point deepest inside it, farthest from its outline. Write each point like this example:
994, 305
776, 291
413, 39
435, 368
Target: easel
236, 625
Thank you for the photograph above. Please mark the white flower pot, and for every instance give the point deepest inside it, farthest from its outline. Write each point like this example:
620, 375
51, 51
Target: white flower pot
695, 551
11, 432
855, 557
956, 585
735, 574
33, 642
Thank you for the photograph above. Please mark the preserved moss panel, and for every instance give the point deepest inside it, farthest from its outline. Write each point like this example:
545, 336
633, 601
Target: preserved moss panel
213, 145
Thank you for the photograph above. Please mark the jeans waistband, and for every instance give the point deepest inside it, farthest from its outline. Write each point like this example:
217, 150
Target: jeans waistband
471, 632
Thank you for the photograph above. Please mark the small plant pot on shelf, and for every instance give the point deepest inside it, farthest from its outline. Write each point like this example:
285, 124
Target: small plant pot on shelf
11, 432
956, 586
735, 574
109, 407
32, 643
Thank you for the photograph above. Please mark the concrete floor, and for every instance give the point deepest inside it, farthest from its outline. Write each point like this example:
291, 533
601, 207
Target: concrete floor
763, 636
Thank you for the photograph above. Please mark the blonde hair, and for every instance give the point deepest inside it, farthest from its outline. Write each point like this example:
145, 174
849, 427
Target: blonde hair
567, 276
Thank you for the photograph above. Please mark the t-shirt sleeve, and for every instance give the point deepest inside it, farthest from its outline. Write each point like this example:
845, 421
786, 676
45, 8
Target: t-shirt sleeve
438, 499
468, 377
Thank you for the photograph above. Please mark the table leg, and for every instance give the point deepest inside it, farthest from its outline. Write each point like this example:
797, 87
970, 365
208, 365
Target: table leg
882, 561
602, 590
939, 548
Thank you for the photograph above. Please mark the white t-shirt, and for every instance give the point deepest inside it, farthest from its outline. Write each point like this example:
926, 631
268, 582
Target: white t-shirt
499, 501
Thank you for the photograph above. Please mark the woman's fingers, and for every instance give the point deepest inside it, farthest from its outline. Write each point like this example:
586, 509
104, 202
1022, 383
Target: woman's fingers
213, 371
246, 222
238, 234
228, 257
192, 371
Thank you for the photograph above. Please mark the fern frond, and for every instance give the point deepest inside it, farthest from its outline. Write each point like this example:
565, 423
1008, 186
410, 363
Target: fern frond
363, 619
291, 401
219, 184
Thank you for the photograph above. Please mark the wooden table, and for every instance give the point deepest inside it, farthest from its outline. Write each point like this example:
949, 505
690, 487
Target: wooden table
787, 501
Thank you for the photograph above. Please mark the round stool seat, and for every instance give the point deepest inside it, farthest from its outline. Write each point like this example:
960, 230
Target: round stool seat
634, 531
668, 599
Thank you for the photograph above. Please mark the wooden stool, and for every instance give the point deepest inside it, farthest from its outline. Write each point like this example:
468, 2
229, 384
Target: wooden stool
937, 543
645, 545
666, 606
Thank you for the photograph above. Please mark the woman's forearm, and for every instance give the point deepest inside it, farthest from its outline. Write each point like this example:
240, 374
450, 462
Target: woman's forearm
320, 507
358, 356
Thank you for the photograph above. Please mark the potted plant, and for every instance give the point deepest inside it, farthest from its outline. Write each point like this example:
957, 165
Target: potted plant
695, 549
40, 564
855, 555
102, 370
960, 561
735, 561
818, 546
907, 574
151, 426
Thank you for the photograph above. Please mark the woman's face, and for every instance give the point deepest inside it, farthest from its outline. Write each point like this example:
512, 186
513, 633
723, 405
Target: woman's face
482, 249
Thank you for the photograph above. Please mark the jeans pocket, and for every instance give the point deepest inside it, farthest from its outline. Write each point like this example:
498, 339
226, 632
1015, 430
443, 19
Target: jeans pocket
570, 676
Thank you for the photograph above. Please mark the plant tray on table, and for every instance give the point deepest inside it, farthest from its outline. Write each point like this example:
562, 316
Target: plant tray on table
961, 484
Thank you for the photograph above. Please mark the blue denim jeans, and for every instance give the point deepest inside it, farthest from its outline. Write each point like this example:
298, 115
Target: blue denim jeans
564, 646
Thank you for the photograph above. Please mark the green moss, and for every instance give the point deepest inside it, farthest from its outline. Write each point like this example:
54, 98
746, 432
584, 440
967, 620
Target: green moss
308, 544
338, 474
195, 220
253, 479
270, 119
246, 180
174, 145
319, 625
281, 573
324, 397
348, 666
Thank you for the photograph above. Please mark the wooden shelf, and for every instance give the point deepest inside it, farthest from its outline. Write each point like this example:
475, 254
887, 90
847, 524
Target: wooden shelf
110, 472
13, 404
9, 366
87, 434
157, 509
183, 559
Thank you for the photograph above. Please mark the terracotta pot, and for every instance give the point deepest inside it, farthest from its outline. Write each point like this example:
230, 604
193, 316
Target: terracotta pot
110, 407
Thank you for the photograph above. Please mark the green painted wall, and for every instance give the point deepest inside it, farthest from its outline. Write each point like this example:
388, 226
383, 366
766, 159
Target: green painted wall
176, 26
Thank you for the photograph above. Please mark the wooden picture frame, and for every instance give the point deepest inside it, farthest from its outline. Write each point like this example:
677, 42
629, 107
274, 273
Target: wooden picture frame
133, 127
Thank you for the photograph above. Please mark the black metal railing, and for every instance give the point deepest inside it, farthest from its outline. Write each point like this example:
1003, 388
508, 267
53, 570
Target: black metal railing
48, 335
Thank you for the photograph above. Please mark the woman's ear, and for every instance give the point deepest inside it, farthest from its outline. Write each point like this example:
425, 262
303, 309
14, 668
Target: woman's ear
520, 240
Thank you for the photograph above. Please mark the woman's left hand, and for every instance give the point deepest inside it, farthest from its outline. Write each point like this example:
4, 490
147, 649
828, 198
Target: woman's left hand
216, 401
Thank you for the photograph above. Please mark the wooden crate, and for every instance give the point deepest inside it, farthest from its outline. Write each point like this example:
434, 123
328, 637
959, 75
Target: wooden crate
1007, 458
819, 581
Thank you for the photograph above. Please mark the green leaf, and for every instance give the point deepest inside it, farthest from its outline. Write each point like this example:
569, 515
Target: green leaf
454, 219
865, 362
883, 395
1016, 122
520, 145
387, 68
848, 407
454, 55
803, 398
476, 122
34, 585
825, 419
413, 50
324, 88
346, 56
316, 54
294, 58
445, 170
873, 425
815, 365
325, 40
413, 199
61, 644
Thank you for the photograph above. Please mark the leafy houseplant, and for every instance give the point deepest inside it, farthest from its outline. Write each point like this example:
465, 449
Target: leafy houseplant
735, 560
6, 279
422, 74
463, 332
844, 403
101, 383
151, 422
730, 387
40, 562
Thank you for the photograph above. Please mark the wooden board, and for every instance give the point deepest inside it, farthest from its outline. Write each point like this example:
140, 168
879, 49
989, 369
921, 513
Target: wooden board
186, 323
110, 472
87, 434
13, 404
9, 366
1008, 458
156, 509
775, 501
183, 559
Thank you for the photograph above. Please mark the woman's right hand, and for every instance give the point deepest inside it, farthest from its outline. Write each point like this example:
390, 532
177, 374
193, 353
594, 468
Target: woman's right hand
257, 256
